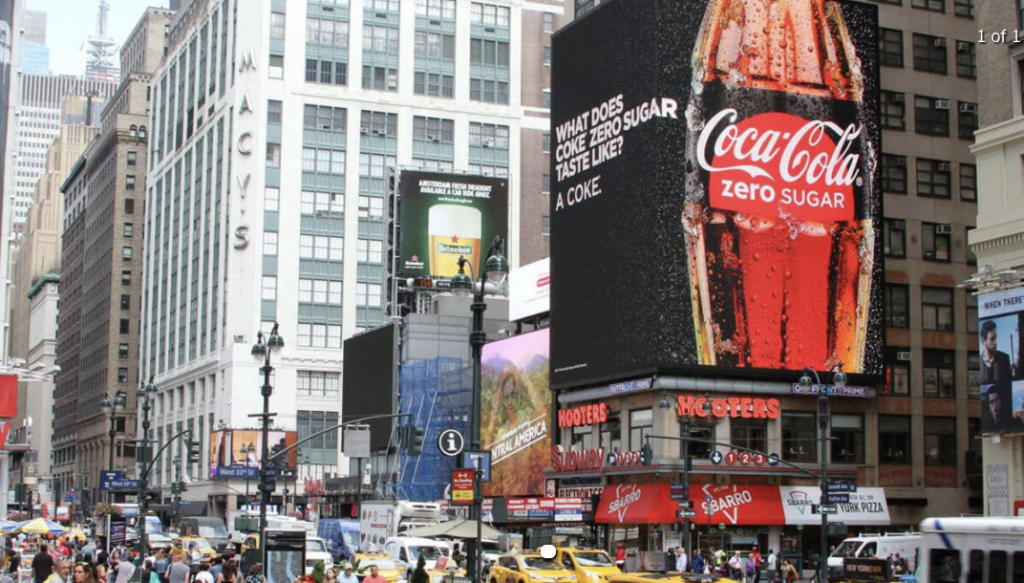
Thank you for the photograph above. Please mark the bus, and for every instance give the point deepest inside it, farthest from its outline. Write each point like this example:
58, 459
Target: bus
971, 550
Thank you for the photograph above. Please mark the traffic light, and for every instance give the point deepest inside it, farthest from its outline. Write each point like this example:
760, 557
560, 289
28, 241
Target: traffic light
646, 454
193, 451
403, 437
415, 440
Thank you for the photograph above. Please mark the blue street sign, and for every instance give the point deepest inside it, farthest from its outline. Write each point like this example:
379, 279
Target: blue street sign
469, 460
716, 457
840, 486
773, 459
836, 499
116, 482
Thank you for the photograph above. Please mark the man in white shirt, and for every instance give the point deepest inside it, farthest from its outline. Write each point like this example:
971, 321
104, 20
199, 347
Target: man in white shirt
204, 576
773, 566
681, 560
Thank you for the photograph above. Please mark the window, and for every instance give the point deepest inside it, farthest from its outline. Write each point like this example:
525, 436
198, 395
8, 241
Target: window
974, 377
331, 33
545, 184
368, 294
933, 5
380, 78
940, 441
327, 72
432, 129
847, 439
749, 433
972, 314
490, 53
894, 110
122, 350
968, 182
379, 123
937, 309
890, 47
931, 116
122, 376
929, 53
271, 198
269, 287
897, 370
126, 302
488, 136
273, 155
270, 243
128, 230
488, 91
489, 15
312, 422
369, 251
131, 158
548, 22
320, 291
323, 161
894, 173
964, 8
311, 383
799, 436
547, 56
897, 305
938, 373
371, 207
895, 238
380, 39
936, 241
129, 182
434, 84
545, 225
126, 253
129, 206
126, 278
894, 439
436, 8
933, 178
124, 326
277, 25
641, 423
274, 111
275, 68
434, 45
967, 120
966, 59
326, 119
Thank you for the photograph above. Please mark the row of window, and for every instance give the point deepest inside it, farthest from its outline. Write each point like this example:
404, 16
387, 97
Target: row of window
367, 294
936, 308
931, 115
930, 53
963, 8
936, 241
933, 177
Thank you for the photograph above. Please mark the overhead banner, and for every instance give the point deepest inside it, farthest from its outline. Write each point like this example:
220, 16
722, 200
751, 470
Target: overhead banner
447, 216
716, 194
236, 453
737, 504
516, 405
1000, 319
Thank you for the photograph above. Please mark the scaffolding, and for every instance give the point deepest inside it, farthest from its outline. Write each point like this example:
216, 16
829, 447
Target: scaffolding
437, 394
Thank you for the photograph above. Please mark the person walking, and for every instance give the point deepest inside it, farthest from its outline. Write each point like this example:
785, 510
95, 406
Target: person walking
737, 568
255, 574
374, 576
681, 560
42, 564
61, 572
203, 576
178, 572
773, 566
348, 576
755, 556
620, 556
698, 562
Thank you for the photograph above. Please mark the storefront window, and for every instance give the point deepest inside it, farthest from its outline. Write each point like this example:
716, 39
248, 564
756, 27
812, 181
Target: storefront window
894, 439
611, 435
939, 441
848, 439
640, 422
799, 437
583, 437
750, 433
699, 429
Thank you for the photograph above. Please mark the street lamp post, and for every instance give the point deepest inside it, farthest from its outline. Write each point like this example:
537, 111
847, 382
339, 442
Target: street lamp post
687, 464
824, 420
261, 352
495, 270
111, 408
147, 390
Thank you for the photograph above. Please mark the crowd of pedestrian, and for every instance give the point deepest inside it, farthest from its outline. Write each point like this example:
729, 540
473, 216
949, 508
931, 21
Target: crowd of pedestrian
745, 568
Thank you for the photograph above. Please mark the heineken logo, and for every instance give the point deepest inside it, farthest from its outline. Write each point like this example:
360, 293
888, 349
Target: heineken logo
454, 249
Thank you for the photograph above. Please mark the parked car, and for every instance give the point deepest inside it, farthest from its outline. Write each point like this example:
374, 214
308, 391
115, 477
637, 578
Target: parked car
587, 564
386, 568
316, 550
529, 569
341, 536
210, 528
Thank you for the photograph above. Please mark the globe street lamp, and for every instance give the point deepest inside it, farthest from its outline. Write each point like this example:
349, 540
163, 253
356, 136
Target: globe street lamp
147, 390
110, 408
261, 352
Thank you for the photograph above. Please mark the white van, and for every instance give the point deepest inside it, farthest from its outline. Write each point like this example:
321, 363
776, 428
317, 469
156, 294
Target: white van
880, 546
316, 550
406, 551
961, 549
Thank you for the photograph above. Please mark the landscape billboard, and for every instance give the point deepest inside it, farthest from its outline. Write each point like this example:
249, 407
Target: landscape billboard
515, 413
716, 196
236, 453
1000, 319
446, 216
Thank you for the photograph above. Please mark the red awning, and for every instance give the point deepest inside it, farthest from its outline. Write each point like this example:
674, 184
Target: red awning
653, 504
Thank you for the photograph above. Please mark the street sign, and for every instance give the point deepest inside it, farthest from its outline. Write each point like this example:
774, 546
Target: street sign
116, 482
716, 457
450, 442
686, 514
836, 498
773, 459
462, 487
470, 459
730, 458
824, 509
839, 486
677, 491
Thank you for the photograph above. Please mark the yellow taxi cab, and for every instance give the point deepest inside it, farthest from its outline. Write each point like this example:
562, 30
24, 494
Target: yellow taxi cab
668, 578
251, 541
184, 544
386, 566
529, 569
589, 565
441, 575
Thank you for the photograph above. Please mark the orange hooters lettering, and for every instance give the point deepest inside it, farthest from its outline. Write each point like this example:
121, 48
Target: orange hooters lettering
745, 407
584, 415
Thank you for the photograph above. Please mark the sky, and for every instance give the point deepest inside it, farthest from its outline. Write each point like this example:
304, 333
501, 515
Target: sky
70, 21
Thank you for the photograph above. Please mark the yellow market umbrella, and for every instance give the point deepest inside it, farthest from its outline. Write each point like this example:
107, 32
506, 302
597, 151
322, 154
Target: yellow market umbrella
41, 526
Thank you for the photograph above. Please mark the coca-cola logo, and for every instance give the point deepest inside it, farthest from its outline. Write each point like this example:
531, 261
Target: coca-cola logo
781, 165
625, 496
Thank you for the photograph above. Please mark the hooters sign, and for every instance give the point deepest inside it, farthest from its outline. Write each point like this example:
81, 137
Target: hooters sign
744, 407
592, 414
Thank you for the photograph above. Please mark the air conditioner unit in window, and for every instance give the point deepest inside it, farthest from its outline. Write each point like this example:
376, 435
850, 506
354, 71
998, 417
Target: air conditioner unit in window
898, 97
940, 42
943, 229
968, 107
898, 225
385, 132
904, 355
488, 143
962, 46
945, 167
435, 138
364, 130
941, 104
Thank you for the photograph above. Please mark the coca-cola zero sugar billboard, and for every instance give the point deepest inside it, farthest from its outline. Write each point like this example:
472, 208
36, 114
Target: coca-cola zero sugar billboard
715, 200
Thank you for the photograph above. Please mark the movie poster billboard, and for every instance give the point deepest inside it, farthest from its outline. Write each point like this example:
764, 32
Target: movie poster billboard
447, 216
515, 413
236, 453
1000, 319
716, 197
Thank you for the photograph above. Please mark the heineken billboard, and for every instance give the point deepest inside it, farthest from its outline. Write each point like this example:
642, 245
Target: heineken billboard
446, 216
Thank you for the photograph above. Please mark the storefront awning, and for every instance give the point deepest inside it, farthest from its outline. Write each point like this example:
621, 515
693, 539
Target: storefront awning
735, 504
